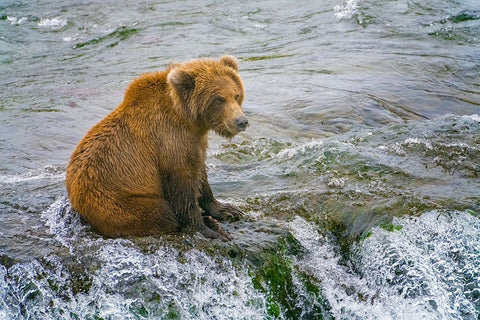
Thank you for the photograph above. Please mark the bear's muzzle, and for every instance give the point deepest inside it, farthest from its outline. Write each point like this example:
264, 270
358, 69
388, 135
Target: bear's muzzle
241, 123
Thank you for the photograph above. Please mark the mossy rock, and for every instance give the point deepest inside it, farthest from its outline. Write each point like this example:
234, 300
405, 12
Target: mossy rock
290, 293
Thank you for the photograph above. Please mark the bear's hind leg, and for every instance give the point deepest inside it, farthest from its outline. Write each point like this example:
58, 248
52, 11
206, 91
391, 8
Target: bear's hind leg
139, 216
154, 215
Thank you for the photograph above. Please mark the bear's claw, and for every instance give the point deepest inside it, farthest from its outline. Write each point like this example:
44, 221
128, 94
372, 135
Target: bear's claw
225, 212
213, 230
230, 213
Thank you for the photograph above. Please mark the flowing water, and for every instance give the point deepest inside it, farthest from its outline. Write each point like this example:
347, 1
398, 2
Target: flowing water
359, 173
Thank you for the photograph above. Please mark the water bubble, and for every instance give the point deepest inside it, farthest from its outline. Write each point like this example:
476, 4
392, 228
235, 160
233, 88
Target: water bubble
346, 11
55, 23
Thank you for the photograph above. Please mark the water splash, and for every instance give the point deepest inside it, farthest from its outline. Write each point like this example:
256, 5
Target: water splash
15, 20
431, 266
51, 173
348, 10
64, 224
55, 23
150, 278
426, 269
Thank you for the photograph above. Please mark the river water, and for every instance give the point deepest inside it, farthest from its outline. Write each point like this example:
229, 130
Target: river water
359, 173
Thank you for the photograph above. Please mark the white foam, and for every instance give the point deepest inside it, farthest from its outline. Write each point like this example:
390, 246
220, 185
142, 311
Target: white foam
418, 272
336, 280
474, 117
52, 23
260, 26
47, 173
15, 20
64, 224
422, 269
196, 285
335, 182
412, 141
192, 283
70, 38
5, 306
347, 10
305, 148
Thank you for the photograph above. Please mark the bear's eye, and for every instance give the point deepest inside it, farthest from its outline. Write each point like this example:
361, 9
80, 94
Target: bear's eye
238, 97
219, 100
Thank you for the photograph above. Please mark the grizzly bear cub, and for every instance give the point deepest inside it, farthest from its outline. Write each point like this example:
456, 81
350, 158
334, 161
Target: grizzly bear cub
141, 170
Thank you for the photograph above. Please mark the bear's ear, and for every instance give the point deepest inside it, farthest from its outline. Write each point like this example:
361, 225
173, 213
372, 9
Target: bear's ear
182, 81
230, 61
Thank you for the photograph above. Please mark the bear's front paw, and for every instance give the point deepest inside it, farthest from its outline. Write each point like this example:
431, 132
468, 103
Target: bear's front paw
230, 212
212, 229
224, 212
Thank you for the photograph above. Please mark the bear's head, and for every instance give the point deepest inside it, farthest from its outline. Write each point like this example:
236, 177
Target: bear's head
210, 94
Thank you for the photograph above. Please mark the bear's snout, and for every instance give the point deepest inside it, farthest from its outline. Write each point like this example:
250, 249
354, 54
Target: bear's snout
241, 123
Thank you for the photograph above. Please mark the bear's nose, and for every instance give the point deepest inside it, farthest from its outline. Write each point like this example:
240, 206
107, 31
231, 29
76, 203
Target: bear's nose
241, 123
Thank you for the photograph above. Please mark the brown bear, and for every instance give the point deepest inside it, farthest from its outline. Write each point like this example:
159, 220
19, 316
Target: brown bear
141, 170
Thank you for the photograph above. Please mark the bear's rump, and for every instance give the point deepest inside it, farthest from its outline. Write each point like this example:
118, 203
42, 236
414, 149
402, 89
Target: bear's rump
131, 216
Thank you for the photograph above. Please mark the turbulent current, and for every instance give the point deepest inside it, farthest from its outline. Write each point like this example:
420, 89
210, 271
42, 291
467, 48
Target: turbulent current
359, 174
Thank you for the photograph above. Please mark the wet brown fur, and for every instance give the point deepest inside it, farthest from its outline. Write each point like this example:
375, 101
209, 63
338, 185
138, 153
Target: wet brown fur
141, 170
